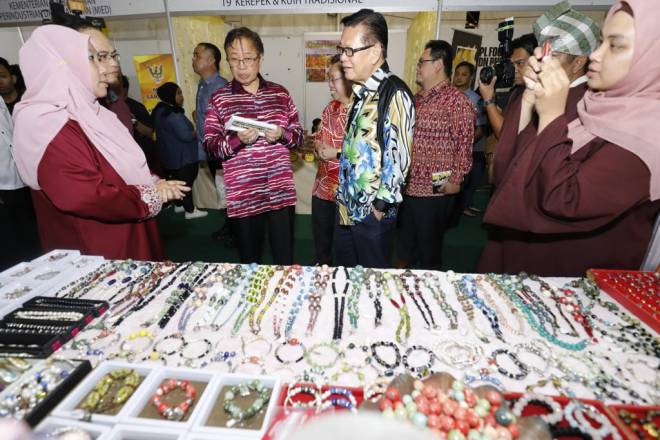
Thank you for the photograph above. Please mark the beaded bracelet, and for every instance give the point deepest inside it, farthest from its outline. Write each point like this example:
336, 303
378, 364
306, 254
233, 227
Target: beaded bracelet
571, 374
251, 360
172, 352
97, 400
390, 367
313, 350
373, 391
354, 347
419, 370
309, 389
190, 360
574, 413
347, 399
244, 389
524, 370
459, 355
293, 343
347, 370
555, 416
244, 345
178, 412
129, 352
540, 349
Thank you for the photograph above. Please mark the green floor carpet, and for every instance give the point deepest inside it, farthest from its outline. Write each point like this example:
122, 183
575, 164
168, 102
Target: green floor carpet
187, 240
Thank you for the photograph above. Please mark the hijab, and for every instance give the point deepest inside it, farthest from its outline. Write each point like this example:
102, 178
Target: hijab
55, 64
167, 95
627, 114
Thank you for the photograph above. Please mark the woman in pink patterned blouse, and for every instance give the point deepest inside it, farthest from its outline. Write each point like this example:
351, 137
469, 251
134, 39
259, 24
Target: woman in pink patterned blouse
328, 141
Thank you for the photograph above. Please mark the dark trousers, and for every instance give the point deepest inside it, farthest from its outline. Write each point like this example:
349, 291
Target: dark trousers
474, 178
188, 174
368, 243
421, 228
323, 228
250, 234
18, 228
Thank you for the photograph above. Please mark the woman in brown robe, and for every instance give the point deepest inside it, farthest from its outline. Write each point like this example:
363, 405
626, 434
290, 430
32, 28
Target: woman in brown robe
581, 192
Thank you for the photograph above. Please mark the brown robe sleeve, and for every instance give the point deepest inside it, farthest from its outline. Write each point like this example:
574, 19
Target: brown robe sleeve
546, 189
70, 177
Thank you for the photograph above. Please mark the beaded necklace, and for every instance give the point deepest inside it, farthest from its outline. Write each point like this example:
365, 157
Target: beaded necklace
252, 297
255, 323
466, 305
295, 272
306, 289
404, 320
509, 286
415, 292
340, 298
357, 278
230, 279
492, 302
79, 287
258, 297
432, 282
321, 278
370, 274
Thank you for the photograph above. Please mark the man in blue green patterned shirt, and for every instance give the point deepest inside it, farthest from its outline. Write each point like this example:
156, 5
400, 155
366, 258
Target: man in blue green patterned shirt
375, 157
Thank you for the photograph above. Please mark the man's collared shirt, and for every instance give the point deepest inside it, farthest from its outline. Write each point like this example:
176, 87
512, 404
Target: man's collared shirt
9, 177
367, 172
205, 88
444, 132
258, 177
482, 117
331, 132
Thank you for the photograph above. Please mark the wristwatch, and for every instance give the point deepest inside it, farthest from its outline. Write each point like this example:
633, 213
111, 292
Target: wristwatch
488, 102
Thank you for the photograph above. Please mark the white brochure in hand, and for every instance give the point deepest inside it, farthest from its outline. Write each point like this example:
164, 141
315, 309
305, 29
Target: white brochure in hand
239, 123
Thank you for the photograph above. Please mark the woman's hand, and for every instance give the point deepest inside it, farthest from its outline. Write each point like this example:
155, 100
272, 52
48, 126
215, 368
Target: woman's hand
169, 190
326, 152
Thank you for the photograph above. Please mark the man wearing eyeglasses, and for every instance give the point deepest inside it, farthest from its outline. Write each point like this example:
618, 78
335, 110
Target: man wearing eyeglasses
442, 156
107, 55
375, 156
257, 169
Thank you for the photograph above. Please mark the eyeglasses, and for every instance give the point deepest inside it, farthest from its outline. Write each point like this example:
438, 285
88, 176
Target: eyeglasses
349, 51
104, 57
422, 61
331, 79
247, 62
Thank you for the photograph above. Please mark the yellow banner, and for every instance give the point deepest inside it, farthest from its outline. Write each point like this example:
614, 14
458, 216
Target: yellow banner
152, 72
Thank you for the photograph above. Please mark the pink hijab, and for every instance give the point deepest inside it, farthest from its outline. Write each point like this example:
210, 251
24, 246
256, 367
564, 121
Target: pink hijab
55, 64
627, 115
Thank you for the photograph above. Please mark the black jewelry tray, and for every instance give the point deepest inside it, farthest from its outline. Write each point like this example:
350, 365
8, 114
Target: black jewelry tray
97, 307
46, 343
55, 397
88, 317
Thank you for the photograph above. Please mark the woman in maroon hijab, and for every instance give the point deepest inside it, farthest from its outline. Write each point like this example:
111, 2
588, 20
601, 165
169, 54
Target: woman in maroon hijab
586, 193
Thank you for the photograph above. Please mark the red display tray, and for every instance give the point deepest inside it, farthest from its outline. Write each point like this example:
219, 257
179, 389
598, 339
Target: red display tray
640, 411
621, 286
532, 410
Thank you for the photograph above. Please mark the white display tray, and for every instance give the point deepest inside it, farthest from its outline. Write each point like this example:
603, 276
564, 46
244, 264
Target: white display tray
133, 432
69, 255
200, 426
146, 392
67, 408
97, 432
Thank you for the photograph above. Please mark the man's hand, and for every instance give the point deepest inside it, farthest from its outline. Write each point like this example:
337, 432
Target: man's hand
530, 75
378, 214
487, 91
274, 135
450, 188
249, 136
551, 92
